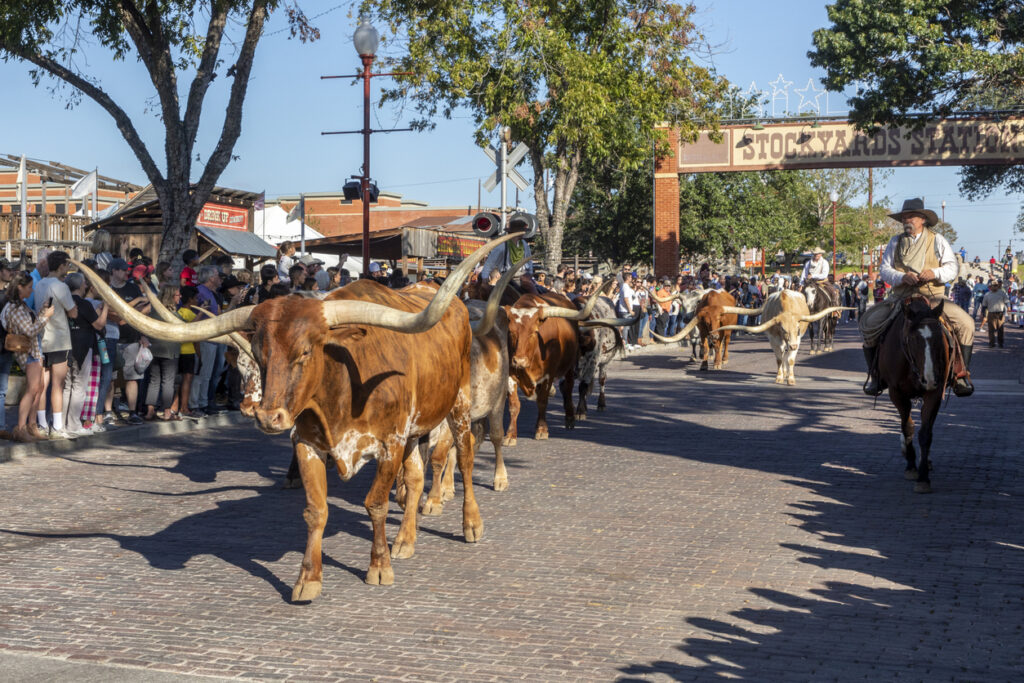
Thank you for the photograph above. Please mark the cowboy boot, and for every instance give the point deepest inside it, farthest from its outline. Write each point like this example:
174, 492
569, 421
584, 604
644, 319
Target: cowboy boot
872, 387
962, 386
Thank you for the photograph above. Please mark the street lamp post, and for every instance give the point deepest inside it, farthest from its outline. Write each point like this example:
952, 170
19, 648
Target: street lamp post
366, 40
834, 196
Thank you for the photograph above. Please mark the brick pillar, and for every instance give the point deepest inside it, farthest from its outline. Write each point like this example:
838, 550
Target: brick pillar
666, 210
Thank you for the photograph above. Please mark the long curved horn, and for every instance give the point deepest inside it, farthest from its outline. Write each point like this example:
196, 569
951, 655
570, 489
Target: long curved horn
234, 338
763, 327
821, 314
346, 312
742, 311
201, 330
483, 326
612, 322
681, 334
572, 314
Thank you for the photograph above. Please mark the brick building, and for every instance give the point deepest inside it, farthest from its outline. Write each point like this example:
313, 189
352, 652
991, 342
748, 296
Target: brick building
330, 214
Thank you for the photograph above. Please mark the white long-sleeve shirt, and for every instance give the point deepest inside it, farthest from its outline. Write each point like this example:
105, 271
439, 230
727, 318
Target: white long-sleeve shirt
816, 270
946, 272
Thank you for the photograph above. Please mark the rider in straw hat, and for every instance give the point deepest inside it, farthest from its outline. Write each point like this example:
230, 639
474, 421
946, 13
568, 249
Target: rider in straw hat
917, 261
817, 267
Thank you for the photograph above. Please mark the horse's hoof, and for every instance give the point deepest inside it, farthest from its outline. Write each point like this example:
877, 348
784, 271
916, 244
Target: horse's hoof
431, 508
304, 592
380, 576
910, 475
922, 487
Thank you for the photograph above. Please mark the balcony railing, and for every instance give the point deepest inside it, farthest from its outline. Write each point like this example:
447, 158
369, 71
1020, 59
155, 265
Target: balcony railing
59, 228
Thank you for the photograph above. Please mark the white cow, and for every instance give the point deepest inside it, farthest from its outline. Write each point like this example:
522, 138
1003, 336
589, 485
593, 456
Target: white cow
786, 319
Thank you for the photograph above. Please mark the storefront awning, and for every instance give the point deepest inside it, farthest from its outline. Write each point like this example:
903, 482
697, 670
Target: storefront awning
238, 242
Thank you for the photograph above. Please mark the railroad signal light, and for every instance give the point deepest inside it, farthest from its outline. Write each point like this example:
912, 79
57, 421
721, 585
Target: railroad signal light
525, 223
486, 224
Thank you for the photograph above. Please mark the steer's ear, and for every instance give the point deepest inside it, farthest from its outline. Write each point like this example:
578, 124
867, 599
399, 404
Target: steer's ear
344, 335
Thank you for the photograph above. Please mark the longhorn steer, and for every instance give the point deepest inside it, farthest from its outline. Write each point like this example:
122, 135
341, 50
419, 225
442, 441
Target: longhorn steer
786, 319
361, 375
599, 345
544, 346
715, 311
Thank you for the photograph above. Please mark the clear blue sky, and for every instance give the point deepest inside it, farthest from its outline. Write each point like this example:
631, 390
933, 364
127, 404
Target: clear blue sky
283, 152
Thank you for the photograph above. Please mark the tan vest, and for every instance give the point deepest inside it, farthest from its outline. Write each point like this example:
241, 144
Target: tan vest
931, 289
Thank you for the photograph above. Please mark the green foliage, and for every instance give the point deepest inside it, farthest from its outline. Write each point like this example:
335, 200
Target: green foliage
930, 57
611, 214
947, 231
179, 44
584, 79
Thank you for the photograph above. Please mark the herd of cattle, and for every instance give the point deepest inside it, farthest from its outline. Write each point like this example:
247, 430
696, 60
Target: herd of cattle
370, 373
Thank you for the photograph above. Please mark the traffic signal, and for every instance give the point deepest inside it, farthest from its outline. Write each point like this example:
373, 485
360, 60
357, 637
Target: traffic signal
525, 223
486, 224
353, 190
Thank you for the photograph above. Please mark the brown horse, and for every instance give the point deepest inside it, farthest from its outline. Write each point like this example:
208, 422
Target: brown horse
914, 361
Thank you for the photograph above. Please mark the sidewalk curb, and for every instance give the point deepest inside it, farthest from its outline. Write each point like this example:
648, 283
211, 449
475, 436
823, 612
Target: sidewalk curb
120, 435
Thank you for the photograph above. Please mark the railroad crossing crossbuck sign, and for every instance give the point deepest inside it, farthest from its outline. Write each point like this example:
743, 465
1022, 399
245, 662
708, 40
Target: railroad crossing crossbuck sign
510, 163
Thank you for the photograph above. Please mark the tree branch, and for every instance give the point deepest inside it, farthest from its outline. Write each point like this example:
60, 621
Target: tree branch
233, 115
205, 73
124, 123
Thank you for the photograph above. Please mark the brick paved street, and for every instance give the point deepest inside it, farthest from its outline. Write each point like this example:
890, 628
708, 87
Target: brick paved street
704, 527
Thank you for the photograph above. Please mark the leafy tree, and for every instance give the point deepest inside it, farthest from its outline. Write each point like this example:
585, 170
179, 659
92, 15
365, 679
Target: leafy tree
576, 80
174, 40
611, 213
928, 57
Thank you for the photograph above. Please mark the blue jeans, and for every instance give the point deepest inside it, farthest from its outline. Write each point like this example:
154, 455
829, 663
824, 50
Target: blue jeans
6, 358
218, 372
106, 377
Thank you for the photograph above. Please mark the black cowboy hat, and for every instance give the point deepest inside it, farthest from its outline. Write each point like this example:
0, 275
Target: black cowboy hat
916, 206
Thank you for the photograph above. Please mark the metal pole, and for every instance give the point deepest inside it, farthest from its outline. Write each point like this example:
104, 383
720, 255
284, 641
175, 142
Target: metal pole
367, 61
302, 224
834, 240
503, 152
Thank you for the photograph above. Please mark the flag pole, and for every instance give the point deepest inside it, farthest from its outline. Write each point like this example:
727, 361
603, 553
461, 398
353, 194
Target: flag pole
95, 190
302, 221
23, 180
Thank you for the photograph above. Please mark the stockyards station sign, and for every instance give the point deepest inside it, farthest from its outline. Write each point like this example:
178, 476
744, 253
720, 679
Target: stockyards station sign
794, 145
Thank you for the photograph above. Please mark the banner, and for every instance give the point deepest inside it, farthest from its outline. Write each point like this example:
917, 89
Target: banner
809, 144
85, 186
223, 216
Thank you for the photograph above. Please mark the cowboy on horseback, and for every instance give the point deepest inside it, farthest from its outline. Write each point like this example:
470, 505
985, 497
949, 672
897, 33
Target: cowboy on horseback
816, 269
917, 262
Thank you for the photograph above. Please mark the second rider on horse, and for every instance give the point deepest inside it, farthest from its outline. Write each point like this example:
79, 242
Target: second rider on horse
917, 262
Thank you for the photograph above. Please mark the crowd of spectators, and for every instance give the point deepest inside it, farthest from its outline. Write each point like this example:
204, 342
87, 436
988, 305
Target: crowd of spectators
86, 371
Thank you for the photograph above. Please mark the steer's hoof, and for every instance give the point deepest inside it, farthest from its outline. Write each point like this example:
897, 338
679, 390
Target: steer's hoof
791, 381
582, 417
473, 532
447, 493
541, 435
508, 441
292, 483
432, 508
380, 576
501, 483
402, 550
911, 474
304, 592
922, 487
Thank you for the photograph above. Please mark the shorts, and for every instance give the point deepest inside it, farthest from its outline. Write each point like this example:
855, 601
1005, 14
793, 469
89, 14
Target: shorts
30, 360
128, 352
51, 358
187, 363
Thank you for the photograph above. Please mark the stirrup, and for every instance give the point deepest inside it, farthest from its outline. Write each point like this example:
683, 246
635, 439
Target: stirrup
872, 387
963, 387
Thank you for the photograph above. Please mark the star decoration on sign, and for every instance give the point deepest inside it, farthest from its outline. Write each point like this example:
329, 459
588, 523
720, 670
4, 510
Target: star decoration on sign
758, 96
810, 96
780, 91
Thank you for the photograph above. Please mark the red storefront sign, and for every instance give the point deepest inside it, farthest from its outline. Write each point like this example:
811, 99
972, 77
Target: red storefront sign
223, 216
